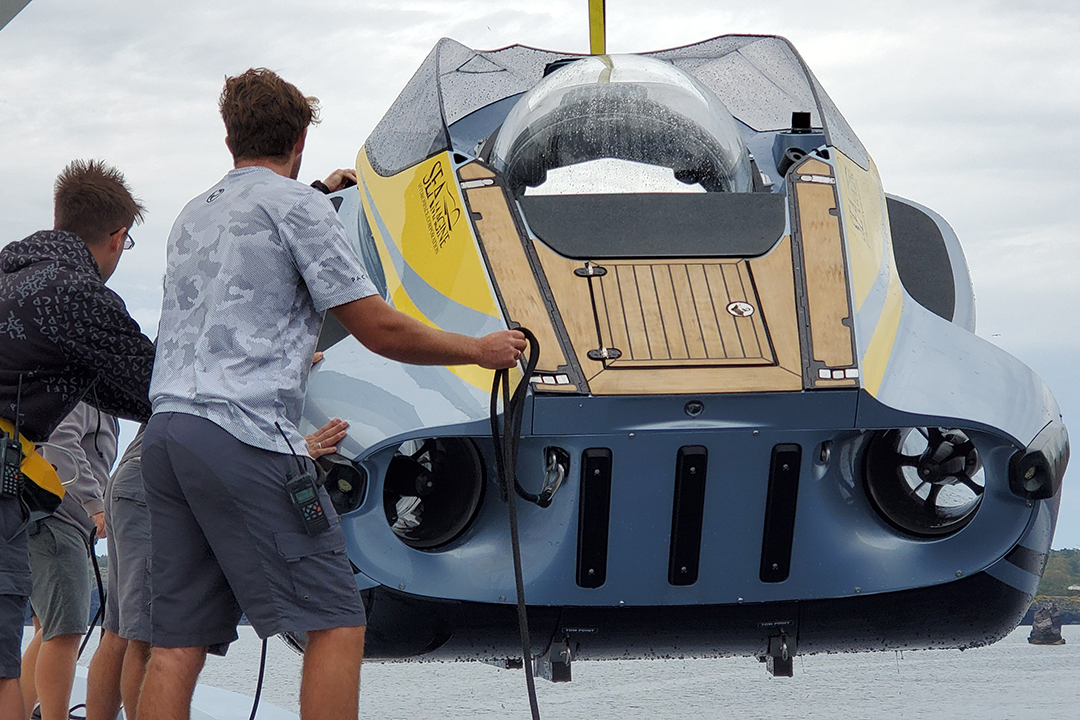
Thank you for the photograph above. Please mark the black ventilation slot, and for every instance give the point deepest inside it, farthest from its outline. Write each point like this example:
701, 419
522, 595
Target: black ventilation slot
686, 515
780, 513
594, 507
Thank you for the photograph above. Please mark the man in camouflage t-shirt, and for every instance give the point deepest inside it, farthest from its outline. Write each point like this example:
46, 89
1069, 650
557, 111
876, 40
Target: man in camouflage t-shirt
253, 262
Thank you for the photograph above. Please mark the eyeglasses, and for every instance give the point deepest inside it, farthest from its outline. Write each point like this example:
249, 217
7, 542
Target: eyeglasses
129, 242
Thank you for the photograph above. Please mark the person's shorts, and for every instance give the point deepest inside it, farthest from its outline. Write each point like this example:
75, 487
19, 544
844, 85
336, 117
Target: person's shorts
227, 540
60, 566
127, 603
14, 585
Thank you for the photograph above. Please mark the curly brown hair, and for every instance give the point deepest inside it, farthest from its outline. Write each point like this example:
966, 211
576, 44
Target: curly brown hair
264, 115
92, 199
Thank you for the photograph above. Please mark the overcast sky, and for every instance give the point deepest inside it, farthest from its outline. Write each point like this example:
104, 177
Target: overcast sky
969, 107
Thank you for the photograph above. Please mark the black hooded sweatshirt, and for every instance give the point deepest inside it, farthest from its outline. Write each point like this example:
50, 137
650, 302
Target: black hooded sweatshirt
68, 336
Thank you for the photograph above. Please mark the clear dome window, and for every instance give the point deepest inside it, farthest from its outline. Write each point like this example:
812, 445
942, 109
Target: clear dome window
619, 124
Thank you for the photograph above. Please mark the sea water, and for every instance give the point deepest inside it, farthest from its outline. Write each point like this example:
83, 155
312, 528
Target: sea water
1010, 680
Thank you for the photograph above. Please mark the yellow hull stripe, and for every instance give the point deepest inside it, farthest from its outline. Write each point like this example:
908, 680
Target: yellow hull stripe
419, 212
879, 349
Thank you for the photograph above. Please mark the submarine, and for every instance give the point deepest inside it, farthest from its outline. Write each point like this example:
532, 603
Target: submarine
757, 420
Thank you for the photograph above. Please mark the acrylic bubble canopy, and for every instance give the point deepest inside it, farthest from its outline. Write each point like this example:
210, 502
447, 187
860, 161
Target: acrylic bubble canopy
622, 107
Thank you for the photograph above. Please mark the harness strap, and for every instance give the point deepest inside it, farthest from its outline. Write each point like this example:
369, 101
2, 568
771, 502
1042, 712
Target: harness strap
38, 470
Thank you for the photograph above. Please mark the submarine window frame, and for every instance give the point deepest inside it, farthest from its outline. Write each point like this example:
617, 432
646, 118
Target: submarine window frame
463, 134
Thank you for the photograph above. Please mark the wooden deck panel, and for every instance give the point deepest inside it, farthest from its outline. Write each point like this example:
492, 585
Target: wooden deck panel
814, 167
726, 371
669, 313
668, 318
517, 284
773, 274
694, 381
474, 171
826, 275
572, 296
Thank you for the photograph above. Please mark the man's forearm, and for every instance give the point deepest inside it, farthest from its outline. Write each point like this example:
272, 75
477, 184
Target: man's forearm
397, 336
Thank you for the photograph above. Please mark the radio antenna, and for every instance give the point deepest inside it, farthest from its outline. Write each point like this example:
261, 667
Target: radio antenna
18, 402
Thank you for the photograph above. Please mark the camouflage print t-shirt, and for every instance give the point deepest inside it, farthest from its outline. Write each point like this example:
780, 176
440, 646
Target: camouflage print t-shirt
252, 264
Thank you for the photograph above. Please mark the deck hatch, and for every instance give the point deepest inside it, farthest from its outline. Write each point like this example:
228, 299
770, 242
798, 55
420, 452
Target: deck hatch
701, 314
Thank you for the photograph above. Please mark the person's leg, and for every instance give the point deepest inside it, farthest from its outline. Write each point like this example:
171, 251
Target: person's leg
54, 674
15, 586
29, 662
134, 674
192, 606
284, 578
170, 683
103, 678
61, 600
11, 701
330, 683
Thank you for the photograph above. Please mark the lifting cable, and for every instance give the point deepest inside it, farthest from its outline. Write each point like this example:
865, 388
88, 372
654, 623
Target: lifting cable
99, 616
506, 449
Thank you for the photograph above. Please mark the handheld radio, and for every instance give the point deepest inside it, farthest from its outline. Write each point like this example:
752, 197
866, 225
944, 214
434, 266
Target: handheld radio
304, 494
11, 478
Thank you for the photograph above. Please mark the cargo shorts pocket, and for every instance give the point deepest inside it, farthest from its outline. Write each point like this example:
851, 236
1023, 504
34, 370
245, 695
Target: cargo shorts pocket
42, 541
15, 578
319, 568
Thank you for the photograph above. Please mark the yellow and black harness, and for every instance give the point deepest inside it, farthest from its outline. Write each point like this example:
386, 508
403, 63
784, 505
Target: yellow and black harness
41, 489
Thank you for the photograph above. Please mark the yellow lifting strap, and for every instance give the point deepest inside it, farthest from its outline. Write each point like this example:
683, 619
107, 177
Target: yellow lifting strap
597, 28
36, 468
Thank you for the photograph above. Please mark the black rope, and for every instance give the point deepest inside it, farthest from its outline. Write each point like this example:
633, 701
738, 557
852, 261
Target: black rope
259, 684
99, 616
506, 449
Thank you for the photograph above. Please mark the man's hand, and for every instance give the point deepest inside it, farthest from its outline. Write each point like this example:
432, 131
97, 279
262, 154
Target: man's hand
99, 523
339, 179
500, 349
324, 440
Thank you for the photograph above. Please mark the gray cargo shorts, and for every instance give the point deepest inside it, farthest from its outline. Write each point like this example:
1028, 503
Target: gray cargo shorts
227, 540
14, 585
127, 604
60, 566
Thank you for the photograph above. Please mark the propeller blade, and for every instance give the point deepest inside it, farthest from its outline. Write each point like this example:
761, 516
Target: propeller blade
907, 460
932, 496
975, 487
